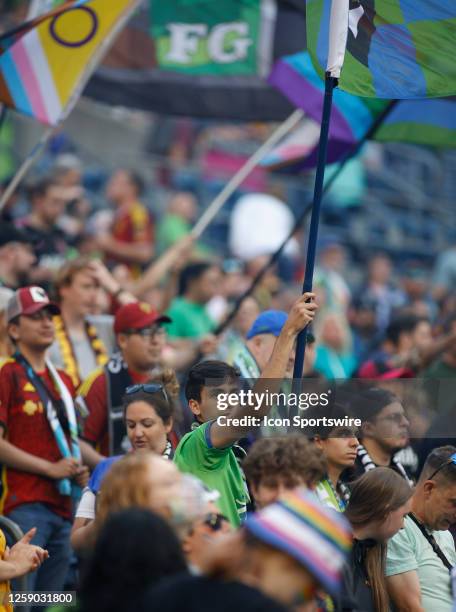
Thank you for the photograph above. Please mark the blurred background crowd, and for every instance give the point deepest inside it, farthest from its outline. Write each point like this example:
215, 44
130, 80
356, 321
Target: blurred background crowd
129, 321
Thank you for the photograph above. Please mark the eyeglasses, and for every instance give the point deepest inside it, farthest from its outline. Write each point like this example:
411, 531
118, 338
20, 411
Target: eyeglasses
450, 461
215, 521
147, 388
41, 315
146, 332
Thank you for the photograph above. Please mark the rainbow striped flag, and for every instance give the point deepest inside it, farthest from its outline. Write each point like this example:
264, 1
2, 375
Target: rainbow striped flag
46, 62
429, 122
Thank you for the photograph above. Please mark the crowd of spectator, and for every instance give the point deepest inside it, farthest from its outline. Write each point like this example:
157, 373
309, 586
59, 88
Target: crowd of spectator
128, 488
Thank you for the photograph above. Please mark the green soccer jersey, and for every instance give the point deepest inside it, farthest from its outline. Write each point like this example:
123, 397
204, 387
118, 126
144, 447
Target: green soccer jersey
189, 320
217, 468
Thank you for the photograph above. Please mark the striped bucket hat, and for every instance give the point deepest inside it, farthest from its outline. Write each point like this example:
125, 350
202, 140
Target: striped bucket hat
316, 536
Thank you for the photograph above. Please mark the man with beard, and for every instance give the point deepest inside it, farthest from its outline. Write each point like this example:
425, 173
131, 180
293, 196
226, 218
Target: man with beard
141, 339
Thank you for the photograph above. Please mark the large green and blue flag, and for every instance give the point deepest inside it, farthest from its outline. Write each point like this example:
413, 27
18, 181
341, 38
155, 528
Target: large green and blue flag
430, 122
397, 49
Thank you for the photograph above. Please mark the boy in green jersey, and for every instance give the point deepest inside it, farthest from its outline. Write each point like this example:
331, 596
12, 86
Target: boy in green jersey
207, 451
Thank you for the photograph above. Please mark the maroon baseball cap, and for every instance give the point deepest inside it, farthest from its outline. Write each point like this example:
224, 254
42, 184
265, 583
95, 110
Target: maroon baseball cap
137, 315
27, 301
372, 370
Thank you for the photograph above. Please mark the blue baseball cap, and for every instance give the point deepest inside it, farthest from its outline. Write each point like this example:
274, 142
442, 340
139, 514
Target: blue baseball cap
268, 322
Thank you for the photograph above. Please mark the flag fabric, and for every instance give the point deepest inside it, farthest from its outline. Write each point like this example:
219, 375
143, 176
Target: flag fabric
424, 122
430, 122
45, 63
7, 39
421, 122
351, 116
39, 7
201, 38
337, 37
297, 146
201, 58
397, 49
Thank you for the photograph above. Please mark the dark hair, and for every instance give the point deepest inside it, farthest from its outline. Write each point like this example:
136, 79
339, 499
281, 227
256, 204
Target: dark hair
402, 323
208, 374
373, 496
368, 403
435, 460
191, 273
137, 181
39, 188
165, 407
135, 548
290, 459
207, 594
334, 411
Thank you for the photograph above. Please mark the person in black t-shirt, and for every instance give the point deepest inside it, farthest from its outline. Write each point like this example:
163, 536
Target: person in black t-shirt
50, 243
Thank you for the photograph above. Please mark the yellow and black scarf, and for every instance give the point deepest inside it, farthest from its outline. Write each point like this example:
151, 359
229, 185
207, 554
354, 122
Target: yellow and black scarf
70, 364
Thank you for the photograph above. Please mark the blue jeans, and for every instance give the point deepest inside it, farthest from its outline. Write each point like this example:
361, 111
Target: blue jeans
53, 534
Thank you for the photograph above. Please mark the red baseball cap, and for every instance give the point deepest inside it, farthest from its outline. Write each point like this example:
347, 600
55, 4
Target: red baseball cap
137, 315
371, 369
27, 301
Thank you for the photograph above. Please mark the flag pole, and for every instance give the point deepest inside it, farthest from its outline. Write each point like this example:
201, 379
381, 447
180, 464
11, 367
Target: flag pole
25, 166
3, 113
262, 271
300, 220
70, 104
244, 171
330, 84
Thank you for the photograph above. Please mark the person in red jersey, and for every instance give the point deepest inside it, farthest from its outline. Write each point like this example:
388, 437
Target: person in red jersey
141, 339
38, 445
130, 240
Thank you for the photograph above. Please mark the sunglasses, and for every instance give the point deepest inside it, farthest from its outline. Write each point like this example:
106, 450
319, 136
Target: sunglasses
215, 521
146, 332
147, 388
451, 461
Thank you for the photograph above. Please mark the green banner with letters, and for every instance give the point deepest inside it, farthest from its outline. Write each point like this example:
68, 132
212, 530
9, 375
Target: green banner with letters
213, 37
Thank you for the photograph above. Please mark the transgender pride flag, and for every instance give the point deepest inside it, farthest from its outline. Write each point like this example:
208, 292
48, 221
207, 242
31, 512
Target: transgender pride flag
45, 63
